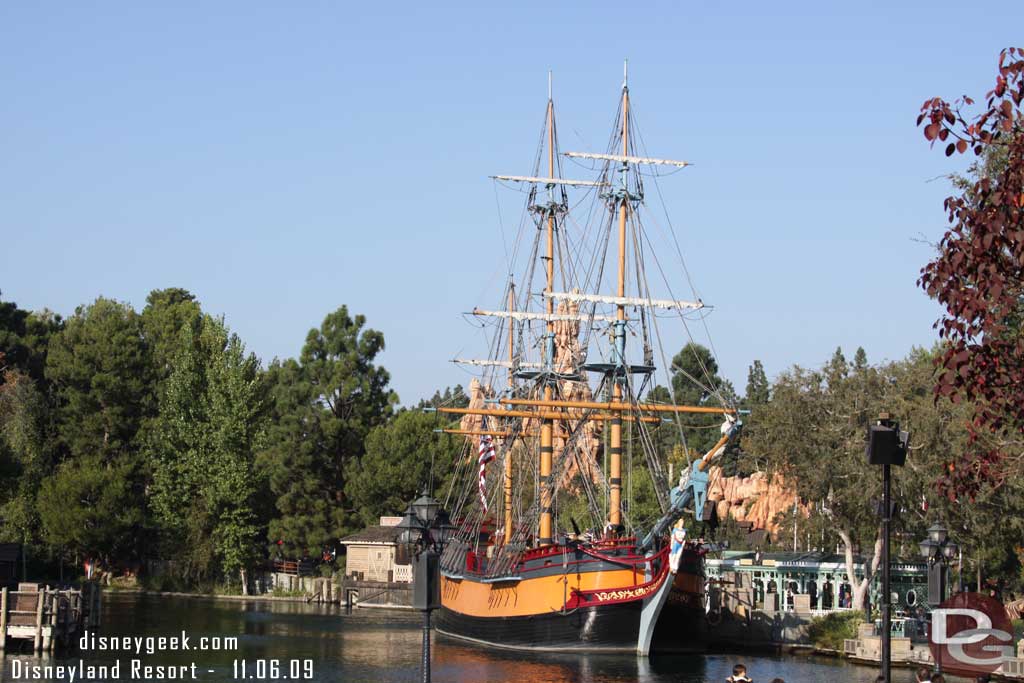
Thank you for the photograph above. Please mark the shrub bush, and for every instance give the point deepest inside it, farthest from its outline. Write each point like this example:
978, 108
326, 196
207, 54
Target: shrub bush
829, 632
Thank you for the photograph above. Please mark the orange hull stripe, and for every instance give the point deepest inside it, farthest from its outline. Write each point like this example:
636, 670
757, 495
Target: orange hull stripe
541, 595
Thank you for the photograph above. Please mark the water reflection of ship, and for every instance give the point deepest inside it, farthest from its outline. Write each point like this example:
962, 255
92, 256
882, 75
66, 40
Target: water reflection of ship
574, 405
454, 660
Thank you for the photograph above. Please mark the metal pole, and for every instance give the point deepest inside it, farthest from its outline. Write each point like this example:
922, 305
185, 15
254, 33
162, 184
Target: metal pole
941, 561
886, 589
425, 665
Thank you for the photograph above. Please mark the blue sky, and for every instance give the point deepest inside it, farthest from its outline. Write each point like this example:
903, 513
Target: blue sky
282, 159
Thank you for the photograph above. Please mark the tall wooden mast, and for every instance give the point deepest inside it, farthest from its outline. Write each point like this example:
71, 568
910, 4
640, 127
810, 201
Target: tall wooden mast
615, 436
511, 385
547, 427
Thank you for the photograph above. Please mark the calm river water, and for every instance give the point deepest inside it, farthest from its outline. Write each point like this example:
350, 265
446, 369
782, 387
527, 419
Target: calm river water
367, 645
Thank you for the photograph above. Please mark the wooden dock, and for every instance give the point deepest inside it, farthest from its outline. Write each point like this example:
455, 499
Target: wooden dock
47, 617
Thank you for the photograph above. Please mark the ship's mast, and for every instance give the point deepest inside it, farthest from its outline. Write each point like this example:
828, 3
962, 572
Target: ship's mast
615, 436
511, 387
547, 426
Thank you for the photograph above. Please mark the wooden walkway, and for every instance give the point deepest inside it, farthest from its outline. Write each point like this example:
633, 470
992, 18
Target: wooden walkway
47, 616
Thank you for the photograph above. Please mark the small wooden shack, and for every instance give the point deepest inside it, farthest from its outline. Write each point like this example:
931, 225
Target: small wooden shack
378, 569
374, 553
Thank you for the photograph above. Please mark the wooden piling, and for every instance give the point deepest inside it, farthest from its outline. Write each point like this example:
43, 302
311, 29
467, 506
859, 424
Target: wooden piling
48, 639
40, 605
3, 618
91, 605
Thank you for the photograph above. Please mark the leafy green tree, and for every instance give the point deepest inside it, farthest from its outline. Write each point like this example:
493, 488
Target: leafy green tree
25, 455
758, 389
401, 458
813, 431
990, 526
323, 407
207, 432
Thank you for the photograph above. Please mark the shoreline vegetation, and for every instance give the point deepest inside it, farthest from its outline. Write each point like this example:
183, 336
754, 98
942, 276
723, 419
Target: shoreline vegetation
132, 436
152, 440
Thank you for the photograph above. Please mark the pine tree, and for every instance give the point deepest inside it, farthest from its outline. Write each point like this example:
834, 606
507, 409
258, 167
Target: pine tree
323, 407
757, 385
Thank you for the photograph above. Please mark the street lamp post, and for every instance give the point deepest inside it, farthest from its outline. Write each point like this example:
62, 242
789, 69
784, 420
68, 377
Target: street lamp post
427, 527
938, 549
887, 446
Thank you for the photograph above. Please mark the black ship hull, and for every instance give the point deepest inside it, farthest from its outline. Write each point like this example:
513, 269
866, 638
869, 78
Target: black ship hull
610, 628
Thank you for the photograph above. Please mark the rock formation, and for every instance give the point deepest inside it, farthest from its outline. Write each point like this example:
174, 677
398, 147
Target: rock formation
757, 499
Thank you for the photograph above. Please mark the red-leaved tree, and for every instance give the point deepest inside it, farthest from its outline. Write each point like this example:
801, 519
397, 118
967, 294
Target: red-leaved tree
978, 277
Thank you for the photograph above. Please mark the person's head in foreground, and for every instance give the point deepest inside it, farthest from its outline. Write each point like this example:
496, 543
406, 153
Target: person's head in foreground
938, 678
739, 675
923, 674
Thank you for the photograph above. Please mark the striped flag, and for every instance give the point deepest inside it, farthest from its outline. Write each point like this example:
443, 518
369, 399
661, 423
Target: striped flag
486, 455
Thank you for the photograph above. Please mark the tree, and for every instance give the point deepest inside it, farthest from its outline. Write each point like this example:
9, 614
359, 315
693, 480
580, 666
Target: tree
87, 507
401, 458
323, 407
695, 382
24, 337
210, 421
758, 388
25, 455
102, 383
813, 432
860, 359
167, 311
977, 277
451, 397
102, 376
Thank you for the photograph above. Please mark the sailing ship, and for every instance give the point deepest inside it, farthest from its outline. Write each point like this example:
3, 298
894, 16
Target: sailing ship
557, 440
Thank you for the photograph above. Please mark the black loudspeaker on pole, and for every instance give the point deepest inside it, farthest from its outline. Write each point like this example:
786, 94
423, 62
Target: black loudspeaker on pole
887, 446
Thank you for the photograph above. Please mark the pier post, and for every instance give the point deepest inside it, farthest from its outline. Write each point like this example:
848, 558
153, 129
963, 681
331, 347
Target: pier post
425, 665
3, 618
54, 622
40, 605
89, 604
